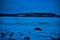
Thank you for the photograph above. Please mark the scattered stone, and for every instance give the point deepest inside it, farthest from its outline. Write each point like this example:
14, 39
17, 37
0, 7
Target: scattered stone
38, 29
2, 34
26, 38
11, 34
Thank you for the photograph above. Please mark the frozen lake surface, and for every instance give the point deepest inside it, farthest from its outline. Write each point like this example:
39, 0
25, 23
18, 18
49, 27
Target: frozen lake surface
30, 28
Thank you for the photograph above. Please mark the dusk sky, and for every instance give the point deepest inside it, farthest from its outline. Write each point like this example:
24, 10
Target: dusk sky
18, 6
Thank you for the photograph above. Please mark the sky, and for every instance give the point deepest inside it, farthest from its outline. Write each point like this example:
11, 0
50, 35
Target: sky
23, 6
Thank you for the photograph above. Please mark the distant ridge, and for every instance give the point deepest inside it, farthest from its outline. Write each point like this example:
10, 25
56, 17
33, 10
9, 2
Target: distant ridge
30, 15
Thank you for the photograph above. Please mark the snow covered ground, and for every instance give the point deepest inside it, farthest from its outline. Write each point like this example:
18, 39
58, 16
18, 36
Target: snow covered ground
29, 28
